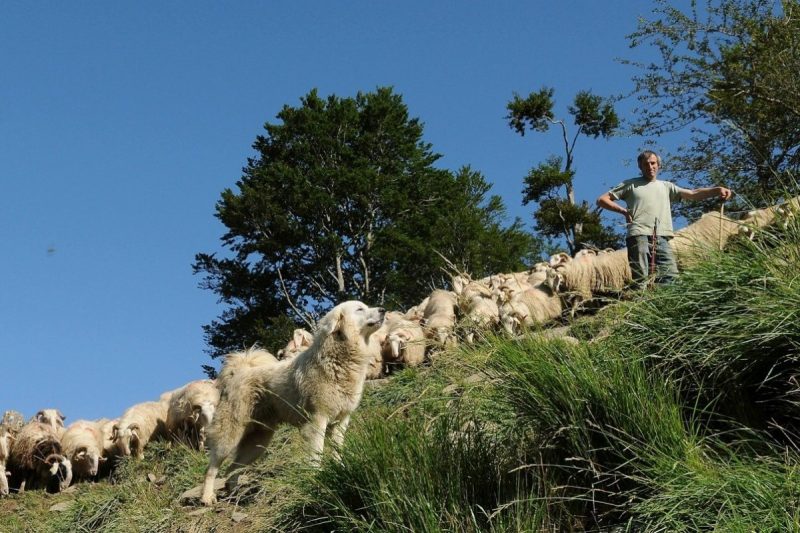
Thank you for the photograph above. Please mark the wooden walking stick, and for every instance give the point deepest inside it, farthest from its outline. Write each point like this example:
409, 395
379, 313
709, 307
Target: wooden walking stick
653, 250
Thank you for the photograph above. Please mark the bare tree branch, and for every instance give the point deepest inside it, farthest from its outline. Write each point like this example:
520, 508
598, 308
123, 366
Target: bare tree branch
300, 314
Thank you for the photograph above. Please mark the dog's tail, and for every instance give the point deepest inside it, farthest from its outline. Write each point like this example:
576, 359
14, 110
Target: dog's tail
238, 383
238, 361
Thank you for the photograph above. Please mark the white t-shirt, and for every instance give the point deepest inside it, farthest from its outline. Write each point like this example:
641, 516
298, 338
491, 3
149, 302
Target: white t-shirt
649, 204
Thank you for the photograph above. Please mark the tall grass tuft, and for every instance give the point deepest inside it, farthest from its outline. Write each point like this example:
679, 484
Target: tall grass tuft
729, 330
597, 422
420, 473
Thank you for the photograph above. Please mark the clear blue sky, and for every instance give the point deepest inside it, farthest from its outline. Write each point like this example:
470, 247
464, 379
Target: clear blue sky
121, 124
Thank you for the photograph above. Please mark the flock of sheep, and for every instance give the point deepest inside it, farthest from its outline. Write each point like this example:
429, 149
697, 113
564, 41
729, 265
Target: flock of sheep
44, 454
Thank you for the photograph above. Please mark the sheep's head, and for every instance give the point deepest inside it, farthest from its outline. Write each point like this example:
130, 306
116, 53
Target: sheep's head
127, 439
87, 460
444, 336
510, 323
555, 280
60, 469
203, 414
52, 417
561, 258
397, 341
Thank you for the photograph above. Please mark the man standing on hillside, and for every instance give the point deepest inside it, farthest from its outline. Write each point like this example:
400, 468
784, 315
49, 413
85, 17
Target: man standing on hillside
649, 211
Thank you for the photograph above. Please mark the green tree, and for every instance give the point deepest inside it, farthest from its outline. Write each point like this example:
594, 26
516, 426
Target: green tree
729, 72
342, 201
550, 184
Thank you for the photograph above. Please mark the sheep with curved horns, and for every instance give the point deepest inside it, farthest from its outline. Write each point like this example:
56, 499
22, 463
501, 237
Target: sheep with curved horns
110, 450
139, 425
84, 446
191, 411
36, 459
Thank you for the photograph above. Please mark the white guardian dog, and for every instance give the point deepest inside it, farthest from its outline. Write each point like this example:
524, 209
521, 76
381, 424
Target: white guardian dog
316, 391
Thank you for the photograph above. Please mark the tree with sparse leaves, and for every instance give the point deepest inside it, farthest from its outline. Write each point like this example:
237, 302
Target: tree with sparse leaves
550, 184
342, 201
729, 71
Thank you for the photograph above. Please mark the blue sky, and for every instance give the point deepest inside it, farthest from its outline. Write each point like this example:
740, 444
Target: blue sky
121, 124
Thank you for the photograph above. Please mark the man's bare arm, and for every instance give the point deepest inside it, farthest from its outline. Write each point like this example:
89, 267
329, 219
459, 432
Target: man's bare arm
605, 201
707, 192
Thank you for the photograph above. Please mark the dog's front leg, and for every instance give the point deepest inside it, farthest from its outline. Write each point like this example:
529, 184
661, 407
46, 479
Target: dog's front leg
208, 495
313, 432
336, 434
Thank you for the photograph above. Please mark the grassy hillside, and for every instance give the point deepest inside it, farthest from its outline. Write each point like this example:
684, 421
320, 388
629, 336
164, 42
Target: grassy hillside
677, 411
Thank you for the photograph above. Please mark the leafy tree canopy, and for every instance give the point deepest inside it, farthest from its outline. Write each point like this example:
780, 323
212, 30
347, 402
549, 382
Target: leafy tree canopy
550, 184
342, 201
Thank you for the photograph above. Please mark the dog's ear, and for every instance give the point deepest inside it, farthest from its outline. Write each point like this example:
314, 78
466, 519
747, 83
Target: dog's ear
332, 322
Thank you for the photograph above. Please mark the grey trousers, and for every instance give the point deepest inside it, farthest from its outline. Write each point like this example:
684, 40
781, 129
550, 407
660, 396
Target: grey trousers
639, 252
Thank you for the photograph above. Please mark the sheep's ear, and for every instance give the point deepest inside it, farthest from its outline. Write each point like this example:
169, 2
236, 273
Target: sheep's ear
80, 453
134, 429
39, 416
114, 432
298, 337
61, 416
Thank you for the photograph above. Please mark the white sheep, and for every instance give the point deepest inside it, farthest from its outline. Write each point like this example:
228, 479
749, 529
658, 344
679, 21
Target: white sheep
578, 281
405, 343
138, 425
439, 317
5, 449
83, 445
191, 411
36, 459
376, 345
711, 232
538, 305
476, 303
301, 340
110, 449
